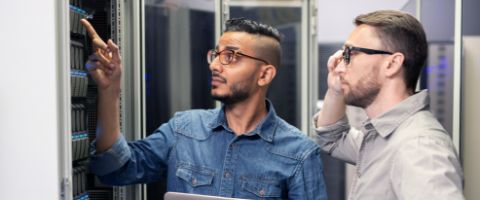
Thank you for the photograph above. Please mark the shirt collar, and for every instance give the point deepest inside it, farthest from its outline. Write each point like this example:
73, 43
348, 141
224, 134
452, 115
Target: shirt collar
387, 122
265, 129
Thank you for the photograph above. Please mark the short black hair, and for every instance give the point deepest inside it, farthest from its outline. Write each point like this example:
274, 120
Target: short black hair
252, 27
270, 51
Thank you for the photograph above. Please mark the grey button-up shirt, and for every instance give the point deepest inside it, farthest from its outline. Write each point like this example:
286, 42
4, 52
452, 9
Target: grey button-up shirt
403, 154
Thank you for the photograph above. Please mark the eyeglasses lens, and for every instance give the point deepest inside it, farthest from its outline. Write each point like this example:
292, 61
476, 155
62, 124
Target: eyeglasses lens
346, 55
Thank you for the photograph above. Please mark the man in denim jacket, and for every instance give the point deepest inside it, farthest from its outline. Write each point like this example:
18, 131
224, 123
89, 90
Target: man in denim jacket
241, 150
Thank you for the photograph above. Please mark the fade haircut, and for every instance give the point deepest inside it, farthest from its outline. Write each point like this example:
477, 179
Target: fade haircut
400, 32
273, 51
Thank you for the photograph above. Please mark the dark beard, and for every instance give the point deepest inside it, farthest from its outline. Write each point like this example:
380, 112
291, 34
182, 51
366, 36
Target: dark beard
363, 96
360, 100
237, 95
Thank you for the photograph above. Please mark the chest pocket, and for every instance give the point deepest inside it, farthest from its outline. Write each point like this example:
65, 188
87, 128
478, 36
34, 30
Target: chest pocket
261, 189
198, 181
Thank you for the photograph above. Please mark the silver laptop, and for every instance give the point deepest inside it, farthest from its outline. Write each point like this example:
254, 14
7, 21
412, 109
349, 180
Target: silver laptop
186, 196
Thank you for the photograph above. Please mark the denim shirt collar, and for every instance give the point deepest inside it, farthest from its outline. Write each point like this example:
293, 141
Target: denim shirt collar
387, 122
265, 129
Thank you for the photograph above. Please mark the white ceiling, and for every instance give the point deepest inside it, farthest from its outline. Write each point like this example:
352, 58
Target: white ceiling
205, 5
335, 17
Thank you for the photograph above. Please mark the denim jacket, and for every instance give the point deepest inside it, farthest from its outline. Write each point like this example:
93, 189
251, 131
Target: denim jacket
198, 153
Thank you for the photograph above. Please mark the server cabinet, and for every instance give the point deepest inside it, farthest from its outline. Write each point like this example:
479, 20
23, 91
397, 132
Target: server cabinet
470, 116
107, 18
438, 77
29, 127
178, 35
84, 185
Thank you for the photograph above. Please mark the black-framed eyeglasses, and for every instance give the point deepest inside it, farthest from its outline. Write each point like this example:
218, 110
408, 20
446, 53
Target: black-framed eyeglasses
347, 52
227, 56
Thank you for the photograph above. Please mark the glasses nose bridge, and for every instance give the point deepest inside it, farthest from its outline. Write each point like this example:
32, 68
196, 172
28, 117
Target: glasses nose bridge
211, 56
214, 63
346, 55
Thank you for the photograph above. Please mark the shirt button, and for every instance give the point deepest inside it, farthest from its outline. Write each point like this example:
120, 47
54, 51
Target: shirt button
261, 192
226, 175
194, 181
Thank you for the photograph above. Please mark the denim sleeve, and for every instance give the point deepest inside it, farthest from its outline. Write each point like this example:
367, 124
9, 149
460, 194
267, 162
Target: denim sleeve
110, 160
140, 161
308, 182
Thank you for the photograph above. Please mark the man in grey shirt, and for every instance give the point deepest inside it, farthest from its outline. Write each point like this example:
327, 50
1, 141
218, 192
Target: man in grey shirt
401, 151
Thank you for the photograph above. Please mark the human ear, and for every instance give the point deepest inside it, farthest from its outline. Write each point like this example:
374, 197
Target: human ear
267, 73
394, 64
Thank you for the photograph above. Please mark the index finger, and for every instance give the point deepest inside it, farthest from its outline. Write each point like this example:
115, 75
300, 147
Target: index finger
97, 41
334, 60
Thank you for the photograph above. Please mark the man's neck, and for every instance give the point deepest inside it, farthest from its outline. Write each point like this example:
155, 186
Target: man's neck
387, 98
243, 117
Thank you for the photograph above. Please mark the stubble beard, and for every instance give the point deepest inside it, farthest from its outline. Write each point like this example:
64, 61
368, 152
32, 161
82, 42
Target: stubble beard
364, 93
238, 94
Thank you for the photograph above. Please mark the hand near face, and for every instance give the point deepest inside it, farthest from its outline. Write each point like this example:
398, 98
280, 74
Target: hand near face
104, 64
334, 80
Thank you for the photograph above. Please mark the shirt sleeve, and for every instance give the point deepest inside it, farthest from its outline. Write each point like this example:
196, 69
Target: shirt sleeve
139, 161
339, 139
308, 182
427, 168
110, 160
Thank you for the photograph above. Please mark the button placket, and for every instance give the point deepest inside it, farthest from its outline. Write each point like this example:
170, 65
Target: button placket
226, 187
366, 147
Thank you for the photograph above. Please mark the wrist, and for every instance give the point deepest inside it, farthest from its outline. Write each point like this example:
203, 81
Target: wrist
336, 94
109, 93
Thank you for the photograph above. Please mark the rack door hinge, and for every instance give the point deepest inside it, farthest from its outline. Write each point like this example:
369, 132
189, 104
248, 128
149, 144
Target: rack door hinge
65, 186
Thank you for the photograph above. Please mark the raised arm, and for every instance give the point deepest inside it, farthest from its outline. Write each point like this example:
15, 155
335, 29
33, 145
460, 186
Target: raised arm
333, 108
333, 133
105, 67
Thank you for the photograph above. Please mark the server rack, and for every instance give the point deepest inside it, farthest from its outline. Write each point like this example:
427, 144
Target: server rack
105, 16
